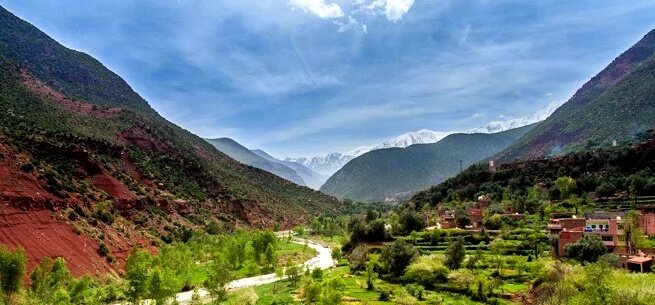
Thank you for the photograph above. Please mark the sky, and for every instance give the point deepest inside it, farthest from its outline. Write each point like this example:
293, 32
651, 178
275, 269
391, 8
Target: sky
306, 77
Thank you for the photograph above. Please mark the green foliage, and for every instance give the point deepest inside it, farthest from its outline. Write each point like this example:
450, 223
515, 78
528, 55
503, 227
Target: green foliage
219, 276
137, 274
611, 106
426, 271
455, 254
383, 173
588, 249
396, 257
12, 268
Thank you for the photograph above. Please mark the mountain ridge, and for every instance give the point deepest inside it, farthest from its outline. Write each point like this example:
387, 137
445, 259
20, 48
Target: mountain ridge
601, 111
382, 174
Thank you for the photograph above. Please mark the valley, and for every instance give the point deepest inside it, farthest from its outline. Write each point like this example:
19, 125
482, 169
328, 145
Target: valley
186, 198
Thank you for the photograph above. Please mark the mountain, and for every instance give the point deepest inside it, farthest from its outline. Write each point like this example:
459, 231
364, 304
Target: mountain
603, 175
615, 105
312, 179
86, 162
498, 126
238, 152
325, 164
387, 173
330, 163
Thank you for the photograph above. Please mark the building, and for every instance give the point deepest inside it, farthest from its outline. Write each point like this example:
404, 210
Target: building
568, 230
606, 225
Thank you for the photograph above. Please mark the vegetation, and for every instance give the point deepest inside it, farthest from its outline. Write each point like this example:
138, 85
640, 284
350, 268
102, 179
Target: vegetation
596, 115
396, 172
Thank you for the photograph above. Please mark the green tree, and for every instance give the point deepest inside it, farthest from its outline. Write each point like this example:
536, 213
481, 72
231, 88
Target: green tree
566, 186
162, 286
218, 278
271, 257
633, 233
396, 257
12, 269
332, 291
370, 273
137, 274
455, 254
293, 272
588, 249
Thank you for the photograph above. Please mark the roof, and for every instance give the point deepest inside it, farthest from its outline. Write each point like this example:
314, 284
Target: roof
640, 260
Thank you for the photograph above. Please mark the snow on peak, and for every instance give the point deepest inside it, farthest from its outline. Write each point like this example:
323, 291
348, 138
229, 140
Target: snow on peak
498, 126
328, 164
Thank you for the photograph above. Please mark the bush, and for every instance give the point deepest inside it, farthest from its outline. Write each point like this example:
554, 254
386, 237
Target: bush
384, 296
426, 271
396, 257
588, 249
103, 250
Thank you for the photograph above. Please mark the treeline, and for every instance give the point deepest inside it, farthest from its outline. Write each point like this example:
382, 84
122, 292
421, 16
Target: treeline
208, 261
625, 171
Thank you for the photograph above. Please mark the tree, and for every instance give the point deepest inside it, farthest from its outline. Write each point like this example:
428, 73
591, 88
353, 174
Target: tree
271, 257
370, 274
455, 254
357, 258
411, 221
566, 186
293, 273
588, 249
633, 234
336, 254
396, 257
12, 269
462, 218
162, 286
137, 274
217, 280
426, 271
332, 291
260, 242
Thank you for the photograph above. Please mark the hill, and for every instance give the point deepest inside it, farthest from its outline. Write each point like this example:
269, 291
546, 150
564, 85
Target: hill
610, 178
86, 162
385, 173
616, 104
311, 178
242, 154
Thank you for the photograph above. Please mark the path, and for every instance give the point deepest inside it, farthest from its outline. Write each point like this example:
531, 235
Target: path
321, 261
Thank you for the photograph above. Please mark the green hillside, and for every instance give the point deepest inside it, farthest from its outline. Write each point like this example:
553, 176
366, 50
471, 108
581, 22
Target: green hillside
74, 127
389, 172
616, 104
605, 179
238, 152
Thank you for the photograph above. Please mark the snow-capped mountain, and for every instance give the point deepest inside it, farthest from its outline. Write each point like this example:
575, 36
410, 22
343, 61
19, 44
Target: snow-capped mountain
498, 126
326, 164
330, 163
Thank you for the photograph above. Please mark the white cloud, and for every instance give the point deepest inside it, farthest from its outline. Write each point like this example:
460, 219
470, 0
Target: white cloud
478, 115
396, 9
318, 8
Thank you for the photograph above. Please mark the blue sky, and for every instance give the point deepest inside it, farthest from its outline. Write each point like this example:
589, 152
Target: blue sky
303, 77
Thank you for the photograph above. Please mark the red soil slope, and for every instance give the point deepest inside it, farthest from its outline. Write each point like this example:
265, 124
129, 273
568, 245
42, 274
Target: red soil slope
42, 236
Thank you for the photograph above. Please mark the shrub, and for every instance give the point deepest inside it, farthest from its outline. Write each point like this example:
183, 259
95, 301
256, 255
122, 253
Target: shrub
588, 249
396, 257
426, 271
103, 250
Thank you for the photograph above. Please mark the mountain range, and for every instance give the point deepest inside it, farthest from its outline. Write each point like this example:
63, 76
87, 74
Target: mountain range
395, 173
330, 163
292, 171
85, 161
